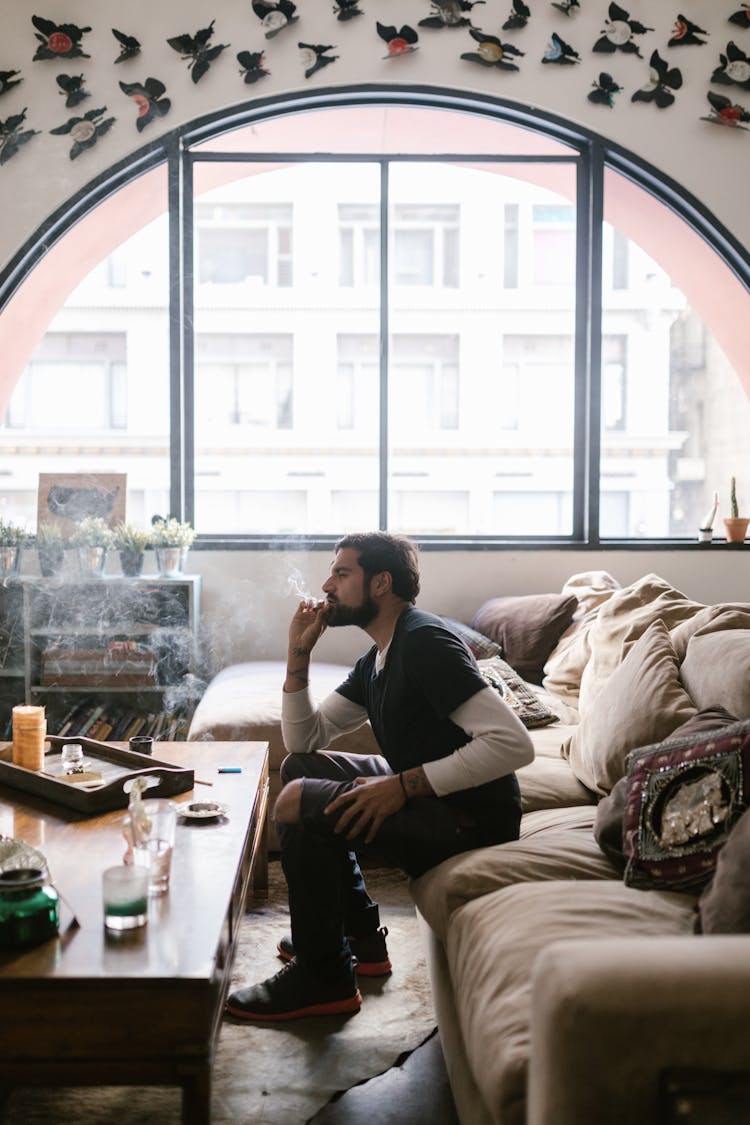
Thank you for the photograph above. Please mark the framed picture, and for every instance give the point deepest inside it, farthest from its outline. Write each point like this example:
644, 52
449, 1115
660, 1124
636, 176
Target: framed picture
67, 498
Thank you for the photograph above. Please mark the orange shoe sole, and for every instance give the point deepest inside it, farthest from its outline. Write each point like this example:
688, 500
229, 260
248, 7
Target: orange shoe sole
327, 1008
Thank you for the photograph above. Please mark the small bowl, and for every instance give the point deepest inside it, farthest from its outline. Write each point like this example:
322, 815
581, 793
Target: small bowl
202, 810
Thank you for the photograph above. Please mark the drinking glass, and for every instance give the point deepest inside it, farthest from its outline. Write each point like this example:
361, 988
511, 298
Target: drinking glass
125, 897
155, 852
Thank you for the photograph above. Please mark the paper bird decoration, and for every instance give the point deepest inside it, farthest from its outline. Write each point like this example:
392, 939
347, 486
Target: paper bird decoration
12, 135
518, 17
492, 52
196, 48
685, 33
568, 7
314, 56
252, 63
619, 31
8, 80
129, 46
724, 112
347, 9
400, 41
58, 41
85, 130
604, 90
149, 100
741, 18
560, 52
662, 81
734, 69
449, 13
275, 17
72, 86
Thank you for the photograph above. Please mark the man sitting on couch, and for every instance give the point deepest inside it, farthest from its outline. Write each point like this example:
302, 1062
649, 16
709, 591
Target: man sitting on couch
445, 782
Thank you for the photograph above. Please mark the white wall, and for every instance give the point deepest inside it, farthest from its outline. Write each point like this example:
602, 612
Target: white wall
704, 159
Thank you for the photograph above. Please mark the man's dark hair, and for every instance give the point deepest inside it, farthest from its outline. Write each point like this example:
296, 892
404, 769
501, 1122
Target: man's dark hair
379, 551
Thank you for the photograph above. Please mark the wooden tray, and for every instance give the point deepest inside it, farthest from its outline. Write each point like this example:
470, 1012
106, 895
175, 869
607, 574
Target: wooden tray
114, 763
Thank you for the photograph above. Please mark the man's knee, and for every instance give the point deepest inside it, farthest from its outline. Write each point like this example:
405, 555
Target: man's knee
292, 767
289, 803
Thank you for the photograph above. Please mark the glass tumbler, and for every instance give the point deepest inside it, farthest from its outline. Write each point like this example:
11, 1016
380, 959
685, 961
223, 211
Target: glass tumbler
125, 897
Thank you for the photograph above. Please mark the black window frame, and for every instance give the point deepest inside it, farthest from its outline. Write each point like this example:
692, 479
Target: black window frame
591, 153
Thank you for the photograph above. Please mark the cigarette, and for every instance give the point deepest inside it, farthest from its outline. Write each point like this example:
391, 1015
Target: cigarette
200, 781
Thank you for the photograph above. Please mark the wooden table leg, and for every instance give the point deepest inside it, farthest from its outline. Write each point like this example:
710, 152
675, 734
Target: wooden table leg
196, 1096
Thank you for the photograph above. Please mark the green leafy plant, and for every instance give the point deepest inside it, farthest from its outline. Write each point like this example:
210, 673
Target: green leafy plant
92, 531
172, 533
734, 510
50, 535
126, 537
12, 534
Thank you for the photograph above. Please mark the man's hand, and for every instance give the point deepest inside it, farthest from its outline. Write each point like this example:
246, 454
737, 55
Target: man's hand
369, 803
305, 630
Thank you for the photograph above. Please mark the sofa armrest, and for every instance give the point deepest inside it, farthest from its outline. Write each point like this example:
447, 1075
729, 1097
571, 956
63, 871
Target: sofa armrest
609, 1017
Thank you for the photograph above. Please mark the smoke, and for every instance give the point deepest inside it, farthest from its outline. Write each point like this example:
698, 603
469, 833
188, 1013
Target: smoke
297, 587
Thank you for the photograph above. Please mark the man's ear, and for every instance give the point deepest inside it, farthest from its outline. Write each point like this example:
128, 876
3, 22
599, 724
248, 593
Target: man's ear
382, 583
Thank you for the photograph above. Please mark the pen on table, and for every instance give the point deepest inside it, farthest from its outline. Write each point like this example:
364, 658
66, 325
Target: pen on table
229, 769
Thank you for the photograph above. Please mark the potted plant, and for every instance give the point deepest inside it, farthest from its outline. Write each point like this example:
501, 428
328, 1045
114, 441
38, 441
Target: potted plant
171, 539
735, 525
93, 537
12, 538
131, 543
51, 542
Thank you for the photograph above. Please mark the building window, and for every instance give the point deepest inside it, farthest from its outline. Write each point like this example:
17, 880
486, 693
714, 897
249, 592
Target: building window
244, 243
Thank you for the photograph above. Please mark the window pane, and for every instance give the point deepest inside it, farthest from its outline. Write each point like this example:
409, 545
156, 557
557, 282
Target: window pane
91, 392
675, 412
286, 348
481, 376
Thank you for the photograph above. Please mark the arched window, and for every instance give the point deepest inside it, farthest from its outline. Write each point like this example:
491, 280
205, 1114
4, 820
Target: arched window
427, 318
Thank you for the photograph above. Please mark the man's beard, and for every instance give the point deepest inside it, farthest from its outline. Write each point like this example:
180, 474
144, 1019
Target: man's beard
360, 615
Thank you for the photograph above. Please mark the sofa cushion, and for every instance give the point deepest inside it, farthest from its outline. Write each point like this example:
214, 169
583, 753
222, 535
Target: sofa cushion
565, 852
641, 703
623, 618
716, 670
550, 783
724, 906
684, 797
527, 627
564, 666
493, 993
522, 699
610, 812
480, 646
719, 618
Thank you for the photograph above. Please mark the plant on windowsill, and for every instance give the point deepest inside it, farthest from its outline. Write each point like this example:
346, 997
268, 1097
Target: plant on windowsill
735, 525
51, 542
93, 537
12, 539
171, 540
131, 543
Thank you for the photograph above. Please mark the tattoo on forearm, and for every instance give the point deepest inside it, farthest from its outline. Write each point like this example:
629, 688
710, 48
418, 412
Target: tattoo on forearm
416, 783
299, 650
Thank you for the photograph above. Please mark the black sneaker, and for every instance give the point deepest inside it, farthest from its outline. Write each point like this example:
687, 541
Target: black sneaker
369, 953
294, 992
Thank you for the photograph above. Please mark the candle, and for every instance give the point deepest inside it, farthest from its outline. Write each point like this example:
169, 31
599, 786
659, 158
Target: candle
29, 733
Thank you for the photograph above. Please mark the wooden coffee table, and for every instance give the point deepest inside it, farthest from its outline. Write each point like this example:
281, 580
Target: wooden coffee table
90, 1009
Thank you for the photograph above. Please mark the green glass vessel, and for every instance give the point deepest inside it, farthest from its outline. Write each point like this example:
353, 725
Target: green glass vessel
29, 908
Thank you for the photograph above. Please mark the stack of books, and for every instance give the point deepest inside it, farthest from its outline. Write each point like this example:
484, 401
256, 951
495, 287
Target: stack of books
109, 664
106, 723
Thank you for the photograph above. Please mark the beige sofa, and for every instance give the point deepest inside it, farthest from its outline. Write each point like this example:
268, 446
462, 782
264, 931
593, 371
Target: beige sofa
563, 995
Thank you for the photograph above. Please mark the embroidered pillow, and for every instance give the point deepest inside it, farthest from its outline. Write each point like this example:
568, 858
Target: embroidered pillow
482, 647
518, 695
684, 797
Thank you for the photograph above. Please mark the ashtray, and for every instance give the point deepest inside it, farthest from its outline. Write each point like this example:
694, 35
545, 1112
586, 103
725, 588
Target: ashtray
202, 810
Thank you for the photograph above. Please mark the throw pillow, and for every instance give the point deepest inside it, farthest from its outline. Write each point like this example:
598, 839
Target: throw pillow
684, 798
711, 619
564, 665
716, 669
526, 627
481, 647
642, 702
519, 697
610, 812
624, 617
724, 905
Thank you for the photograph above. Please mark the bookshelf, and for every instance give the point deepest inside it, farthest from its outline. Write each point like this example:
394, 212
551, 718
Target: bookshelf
109, 657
